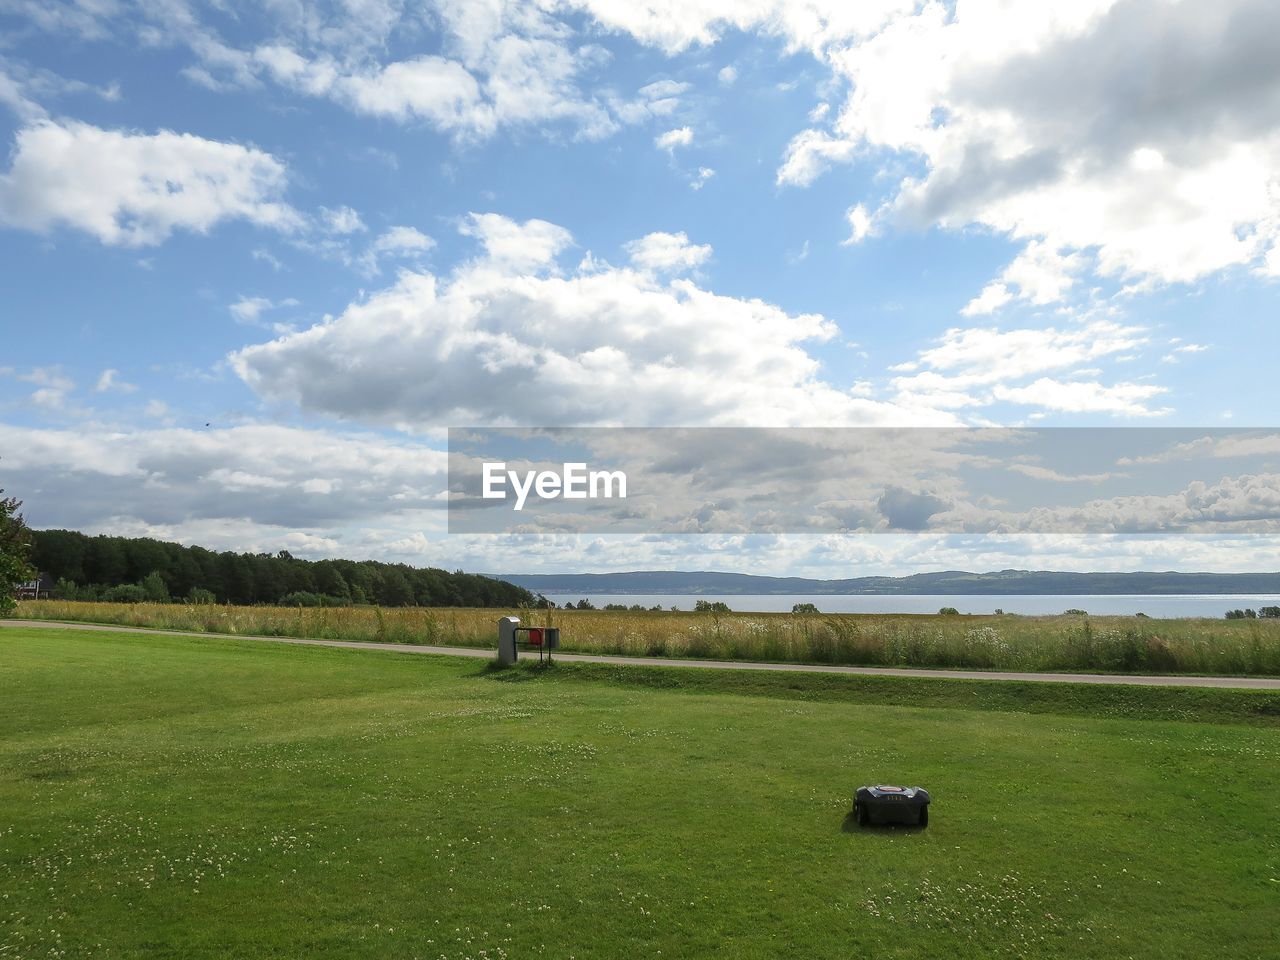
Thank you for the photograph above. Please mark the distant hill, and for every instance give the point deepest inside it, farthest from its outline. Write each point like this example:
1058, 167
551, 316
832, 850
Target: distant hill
944, 583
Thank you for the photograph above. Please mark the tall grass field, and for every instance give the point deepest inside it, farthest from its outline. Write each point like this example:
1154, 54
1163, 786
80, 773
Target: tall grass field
177, 797
1068, 642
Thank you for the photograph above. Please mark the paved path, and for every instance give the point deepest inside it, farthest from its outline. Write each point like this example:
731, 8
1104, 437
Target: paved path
1254, 683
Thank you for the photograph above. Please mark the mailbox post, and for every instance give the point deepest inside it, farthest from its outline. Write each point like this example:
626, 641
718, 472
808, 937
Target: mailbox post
507, 654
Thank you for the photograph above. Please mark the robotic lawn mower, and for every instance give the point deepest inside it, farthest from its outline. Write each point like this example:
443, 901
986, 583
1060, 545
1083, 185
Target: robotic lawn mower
885, 804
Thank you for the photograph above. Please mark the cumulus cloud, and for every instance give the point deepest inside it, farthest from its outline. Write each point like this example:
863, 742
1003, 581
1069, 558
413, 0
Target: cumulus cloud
507, 338
135, 189
1085, 396
808, 24
667, 252
679, 137
512, 246
509, 65
1038, 274
341, 220
110, 381
432, 89
249, 310
398, 242
810, 154
861, 224
1139, 131
976, 366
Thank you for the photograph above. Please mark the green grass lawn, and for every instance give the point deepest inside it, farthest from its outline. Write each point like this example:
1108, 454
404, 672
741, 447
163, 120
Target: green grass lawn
177, 797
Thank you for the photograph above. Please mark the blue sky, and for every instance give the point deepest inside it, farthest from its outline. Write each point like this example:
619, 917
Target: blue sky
257, 258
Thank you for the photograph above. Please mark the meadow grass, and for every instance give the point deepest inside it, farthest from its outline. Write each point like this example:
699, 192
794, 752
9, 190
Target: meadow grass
181, 797
1006, 642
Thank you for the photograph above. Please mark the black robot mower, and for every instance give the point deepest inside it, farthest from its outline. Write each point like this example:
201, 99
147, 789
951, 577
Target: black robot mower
884, 804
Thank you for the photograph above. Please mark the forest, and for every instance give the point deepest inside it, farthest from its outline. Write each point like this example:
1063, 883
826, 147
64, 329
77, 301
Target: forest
138, 569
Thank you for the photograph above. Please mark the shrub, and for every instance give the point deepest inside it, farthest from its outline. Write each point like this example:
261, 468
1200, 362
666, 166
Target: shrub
66, 589
805, 608
948, 612
156, 590
125, 593
709, 606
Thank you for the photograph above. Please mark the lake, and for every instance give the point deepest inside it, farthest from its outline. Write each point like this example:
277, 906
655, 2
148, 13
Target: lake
1162, 606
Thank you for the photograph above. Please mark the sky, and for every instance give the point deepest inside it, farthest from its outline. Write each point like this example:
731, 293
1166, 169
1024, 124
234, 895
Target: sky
256, 259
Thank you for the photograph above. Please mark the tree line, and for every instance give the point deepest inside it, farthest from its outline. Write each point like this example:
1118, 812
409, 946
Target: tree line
135, 569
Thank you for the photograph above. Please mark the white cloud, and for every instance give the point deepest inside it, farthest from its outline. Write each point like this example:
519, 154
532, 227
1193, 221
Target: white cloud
428, 88
809, 154
861, 225
1075, 396
135, 189
675, 25
667, 253
512, 65
512, 246
1038, 274
977, 366
727, 76
341, 220
504, 339
399, 242
110, 381
679, 137
1142, 132
52, 387
993, 296
1037, 472
700, 179
249, 310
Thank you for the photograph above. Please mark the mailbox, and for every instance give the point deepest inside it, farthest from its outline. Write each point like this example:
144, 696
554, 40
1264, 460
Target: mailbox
511, 635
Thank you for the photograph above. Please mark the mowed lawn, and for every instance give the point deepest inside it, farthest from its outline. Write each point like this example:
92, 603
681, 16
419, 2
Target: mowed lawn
179, 797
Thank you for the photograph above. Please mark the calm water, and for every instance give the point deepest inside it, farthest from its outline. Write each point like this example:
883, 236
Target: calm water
1194, 605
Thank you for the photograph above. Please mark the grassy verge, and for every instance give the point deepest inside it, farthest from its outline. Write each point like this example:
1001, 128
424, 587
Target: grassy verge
1071, 643
1185, 704
168, 797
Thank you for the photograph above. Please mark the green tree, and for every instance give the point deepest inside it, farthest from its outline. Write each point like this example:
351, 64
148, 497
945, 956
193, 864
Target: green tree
804, 608
60, 554
331, 582
15, 549
395, 590
155, 588
105, 561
